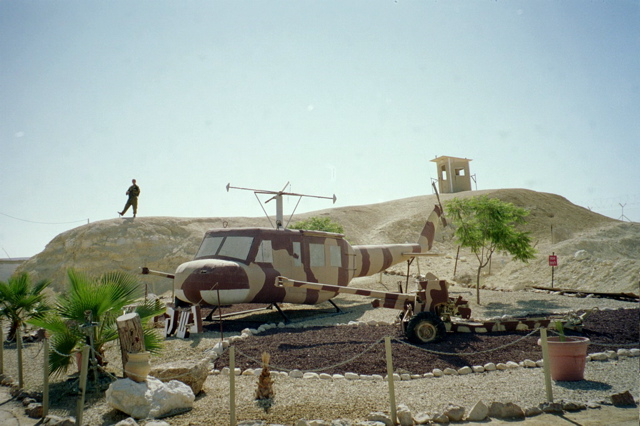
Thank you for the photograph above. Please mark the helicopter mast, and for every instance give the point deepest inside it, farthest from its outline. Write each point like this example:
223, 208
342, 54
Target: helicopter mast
277, 195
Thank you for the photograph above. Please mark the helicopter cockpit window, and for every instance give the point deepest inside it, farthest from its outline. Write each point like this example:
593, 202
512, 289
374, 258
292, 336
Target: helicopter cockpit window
265, 254
316, 254
335, 256
236, 247
209, 247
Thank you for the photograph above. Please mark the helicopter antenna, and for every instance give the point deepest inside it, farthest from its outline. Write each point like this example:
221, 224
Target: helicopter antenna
277, 195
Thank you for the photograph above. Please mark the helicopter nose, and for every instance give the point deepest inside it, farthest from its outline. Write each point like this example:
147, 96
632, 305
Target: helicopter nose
197, 279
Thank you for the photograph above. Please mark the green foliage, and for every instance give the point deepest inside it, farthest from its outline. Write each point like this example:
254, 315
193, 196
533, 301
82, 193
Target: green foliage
317, 223
99, 300
20, 301
486, 225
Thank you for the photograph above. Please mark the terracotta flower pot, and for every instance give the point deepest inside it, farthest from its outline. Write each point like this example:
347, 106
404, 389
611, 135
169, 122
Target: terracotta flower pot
567, 359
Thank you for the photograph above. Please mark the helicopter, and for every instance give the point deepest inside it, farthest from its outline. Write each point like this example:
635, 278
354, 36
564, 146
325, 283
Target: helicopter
241, 265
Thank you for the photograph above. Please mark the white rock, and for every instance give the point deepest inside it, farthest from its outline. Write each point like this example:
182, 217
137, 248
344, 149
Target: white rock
512, 365
149, 399
249, 372
450, 372
465, 370
296, 374
405, 376
490, 366
351, 376
634, 352
501, 366
325, 376
366, 377
437, 372
428, 375
455, 413
380, 417
337, 377
377, 377
478, 369
310, 375
624, 352
478, 412
404, 416
599, 356
527, 363
540, 363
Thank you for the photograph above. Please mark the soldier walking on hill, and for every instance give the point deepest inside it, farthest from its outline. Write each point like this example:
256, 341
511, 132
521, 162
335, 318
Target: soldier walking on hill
133, 192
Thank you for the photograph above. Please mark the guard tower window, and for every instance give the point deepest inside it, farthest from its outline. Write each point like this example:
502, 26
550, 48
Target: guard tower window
459, 172
265, 253
443, 173
316, 254
335, 255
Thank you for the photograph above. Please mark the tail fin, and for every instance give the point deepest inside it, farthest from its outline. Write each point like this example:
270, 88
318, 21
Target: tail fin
429, 231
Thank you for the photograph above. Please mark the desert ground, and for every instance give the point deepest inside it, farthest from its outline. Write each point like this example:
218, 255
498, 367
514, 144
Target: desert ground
595, 254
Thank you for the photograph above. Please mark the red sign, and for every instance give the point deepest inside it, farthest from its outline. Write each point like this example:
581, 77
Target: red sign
553, 260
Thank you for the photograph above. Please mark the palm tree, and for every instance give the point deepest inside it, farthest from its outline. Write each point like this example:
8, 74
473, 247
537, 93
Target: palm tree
87, 313
21, 301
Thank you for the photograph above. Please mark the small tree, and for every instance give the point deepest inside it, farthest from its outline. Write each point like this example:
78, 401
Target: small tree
486, 225
20, 301
317, 223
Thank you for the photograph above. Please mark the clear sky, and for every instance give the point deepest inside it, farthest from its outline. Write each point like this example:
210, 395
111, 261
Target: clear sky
352, 98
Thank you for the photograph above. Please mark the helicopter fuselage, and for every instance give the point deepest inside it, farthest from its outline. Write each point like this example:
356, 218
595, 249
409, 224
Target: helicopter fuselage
241, 265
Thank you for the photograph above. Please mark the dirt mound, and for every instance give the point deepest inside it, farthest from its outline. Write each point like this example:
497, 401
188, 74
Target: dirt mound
595, 252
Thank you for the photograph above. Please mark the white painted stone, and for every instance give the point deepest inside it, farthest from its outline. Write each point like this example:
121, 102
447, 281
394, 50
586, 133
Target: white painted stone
450, 372
296, 374
149, 399
512, 365
455, 413
325, 376
428, 375
404, 416
380, 417
437, 372
377, 377
527, 363
634, 352
405, 377
478, 412
599, 356
338, 377
490, 366
624, 352
351, 376
465, 370
501, 366
478, 369
310, 375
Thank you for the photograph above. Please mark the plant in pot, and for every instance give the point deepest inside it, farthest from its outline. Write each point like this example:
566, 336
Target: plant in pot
567, 355
87, 312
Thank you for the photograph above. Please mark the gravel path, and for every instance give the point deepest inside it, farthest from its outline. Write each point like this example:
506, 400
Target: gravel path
354, 399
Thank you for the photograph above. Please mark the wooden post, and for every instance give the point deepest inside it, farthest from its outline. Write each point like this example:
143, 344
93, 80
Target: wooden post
130, 334
545, 363
83, 384
19, 347
45, 382
232, 386
392, 393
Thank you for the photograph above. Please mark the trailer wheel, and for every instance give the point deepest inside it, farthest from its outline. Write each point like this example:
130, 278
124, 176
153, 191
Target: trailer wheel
425, 327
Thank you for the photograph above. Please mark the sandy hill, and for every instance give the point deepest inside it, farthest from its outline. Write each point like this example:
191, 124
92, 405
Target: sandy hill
595, 252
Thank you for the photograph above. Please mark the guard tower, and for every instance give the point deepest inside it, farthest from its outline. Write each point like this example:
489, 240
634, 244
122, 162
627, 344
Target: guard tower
453, 174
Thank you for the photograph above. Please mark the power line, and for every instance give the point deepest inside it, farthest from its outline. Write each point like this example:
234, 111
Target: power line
43, 223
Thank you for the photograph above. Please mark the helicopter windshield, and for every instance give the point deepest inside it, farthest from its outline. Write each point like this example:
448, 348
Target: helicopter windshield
233, 247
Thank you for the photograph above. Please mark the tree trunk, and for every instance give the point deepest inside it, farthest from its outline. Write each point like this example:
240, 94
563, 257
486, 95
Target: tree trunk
478, 285
130, 334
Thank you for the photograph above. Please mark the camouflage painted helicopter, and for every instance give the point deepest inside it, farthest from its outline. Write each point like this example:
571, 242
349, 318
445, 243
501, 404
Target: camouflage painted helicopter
241, 265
